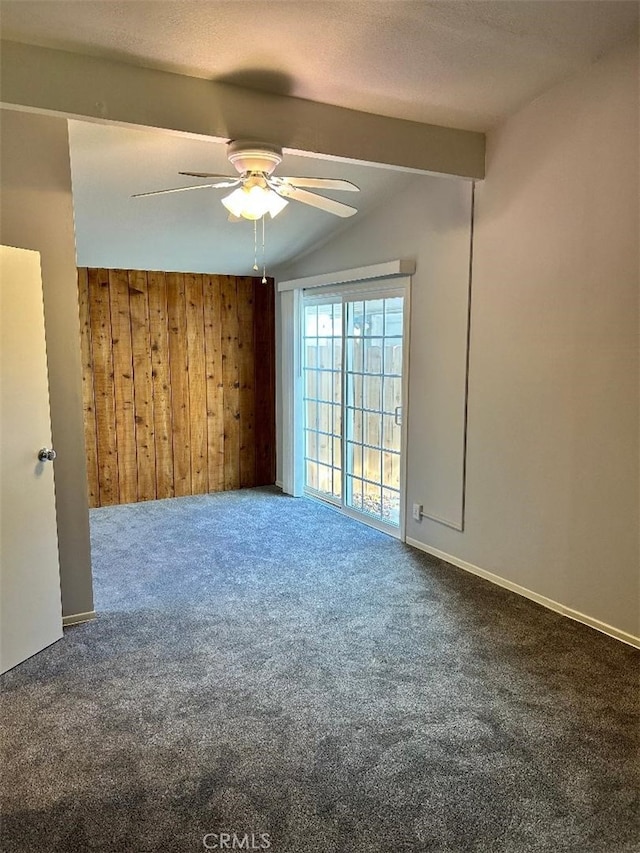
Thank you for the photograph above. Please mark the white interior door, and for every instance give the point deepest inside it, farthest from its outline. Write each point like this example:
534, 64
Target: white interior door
30, 609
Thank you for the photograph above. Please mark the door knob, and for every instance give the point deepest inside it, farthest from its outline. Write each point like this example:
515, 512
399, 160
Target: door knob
46, 455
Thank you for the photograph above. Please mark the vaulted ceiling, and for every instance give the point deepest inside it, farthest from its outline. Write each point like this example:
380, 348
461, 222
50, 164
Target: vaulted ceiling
190, 231
459, 63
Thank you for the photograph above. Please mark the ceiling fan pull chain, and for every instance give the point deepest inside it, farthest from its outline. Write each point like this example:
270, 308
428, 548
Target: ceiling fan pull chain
255, 245
264, 262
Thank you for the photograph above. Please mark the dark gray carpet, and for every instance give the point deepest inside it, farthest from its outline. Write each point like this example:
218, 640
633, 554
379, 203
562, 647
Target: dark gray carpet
263, 664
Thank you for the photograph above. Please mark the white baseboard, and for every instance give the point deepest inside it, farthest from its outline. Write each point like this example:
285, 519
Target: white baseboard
279, 484
78, 618
549, 603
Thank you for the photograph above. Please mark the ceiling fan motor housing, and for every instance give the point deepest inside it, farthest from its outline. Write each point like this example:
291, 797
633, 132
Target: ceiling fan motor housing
254, 157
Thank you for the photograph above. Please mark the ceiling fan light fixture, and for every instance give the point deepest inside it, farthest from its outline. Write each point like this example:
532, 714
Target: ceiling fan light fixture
258, 191
235, 202
253, 202
276, 203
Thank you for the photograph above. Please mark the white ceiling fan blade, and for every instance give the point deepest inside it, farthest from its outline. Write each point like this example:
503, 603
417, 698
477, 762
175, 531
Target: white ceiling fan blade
320, 183
181, 189
223, 180
319, 201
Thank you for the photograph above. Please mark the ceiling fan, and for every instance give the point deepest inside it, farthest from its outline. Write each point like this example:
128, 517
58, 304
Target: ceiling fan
257, 191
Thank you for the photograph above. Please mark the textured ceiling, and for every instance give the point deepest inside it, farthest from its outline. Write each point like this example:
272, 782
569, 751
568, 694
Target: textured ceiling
190, 231
460, 63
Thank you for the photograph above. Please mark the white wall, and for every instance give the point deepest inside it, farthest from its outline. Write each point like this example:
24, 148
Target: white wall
552, 486
36, 213
552, 458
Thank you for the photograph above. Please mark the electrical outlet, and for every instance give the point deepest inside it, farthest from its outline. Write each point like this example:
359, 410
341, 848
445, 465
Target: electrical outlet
417, 512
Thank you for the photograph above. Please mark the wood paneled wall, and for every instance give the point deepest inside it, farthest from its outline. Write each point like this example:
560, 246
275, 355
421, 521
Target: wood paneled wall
178, 383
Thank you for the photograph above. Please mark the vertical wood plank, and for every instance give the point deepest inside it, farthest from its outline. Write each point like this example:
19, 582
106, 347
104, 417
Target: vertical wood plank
260, 326
161, 383
246, 365
214, 383
197, 383
143, 385
230, 381
88, 398
179, 370
271, 359
123, 385
102, 354
264, 357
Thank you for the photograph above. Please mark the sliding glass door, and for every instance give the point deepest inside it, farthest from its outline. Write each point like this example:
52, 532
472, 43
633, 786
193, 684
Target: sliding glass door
353, 393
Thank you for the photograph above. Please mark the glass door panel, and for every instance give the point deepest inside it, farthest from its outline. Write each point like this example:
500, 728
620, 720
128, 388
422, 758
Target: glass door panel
373, 382
322, 343
353, 380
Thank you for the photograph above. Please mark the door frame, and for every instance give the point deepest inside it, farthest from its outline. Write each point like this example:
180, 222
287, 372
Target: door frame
396, 274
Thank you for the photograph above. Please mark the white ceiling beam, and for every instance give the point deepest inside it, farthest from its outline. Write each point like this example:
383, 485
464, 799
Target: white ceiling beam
87, 87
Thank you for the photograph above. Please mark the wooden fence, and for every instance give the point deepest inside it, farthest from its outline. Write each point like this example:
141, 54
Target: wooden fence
178, 383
